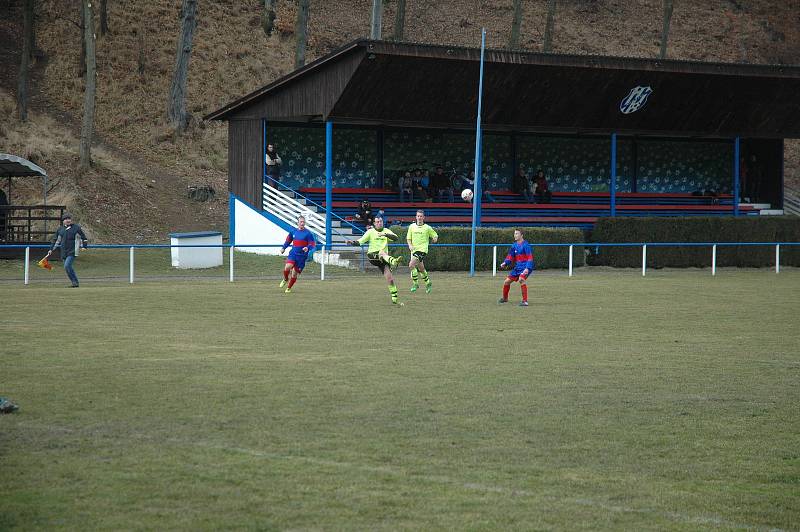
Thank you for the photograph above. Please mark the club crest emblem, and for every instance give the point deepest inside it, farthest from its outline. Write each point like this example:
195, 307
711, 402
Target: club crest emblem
635, 100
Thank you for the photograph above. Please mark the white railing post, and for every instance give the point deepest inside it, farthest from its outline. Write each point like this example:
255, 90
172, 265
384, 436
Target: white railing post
130, 260
777, 258
27, 264
322, 266
494, 261
570, 260
230, 262
714, 259
644, 259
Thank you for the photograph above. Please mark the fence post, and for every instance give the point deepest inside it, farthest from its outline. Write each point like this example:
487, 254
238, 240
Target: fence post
644, 259
570, 260
777, 258
714, 259
27, 264
230, 261
494, 261
130, 260
322, 266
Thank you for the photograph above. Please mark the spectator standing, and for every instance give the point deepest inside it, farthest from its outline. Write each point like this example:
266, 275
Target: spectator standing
542, 193
3, 216
68, 238
274, 163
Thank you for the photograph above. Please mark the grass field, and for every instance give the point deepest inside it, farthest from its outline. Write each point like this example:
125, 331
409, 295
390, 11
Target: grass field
612, 402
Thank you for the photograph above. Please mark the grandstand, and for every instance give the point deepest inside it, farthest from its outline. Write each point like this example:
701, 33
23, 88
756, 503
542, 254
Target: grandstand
687, 138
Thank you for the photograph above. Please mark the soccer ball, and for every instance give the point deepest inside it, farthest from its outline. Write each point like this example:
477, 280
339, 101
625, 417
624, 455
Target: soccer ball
466, 194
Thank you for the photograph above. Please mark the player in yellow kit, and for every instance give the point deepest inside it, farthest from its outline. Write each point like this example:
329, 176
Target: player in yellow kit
419, 237
378, 238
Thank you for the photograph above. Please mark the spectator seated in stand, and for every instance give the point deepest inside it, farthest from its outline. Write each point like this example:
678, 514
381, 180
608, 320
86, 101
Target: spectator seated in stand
521, 184
542, 193
405, 187
418, 186
441, 185
365, 214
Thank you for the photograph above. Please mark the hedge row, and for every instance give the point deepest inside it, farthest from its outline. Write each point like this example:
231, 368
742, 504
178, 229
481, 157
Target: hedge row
457, 258
716, 229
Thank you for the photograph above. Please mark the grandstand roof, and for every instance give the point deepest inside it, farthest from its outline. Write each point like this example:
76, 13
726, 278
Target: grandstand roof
14, 166
402, 84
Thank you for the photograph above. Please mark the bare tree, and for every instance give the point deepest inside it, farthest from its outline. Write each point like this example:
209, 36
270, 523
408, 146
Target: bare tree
665, 31
516, 22
87, 128
548, 29
25, 60
103, 17
268, 19
399, 20
176, 112
301, 32
377, 17
82, 59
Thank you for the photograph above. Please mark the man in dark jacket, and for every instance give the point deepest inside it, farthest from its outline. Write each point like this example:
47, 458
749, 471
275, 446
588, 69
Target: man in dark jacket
68, 238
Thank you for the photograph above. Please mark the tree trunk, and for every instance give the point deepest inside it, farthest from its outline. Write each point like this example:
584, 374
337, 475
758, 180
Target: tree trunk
377, 18
665, 31
516, 22
268, 20
177, 94
25, 60
82, 60
400, 20
548, 29
87, 128
301, 32
103, 17
30, 11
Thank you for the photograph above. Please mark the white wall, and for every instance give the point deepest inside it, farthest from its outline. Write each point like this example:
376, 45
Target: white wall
251, 227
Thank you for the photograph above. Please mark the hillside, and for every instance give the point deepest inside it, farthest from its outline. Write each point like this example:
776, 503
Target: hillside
137, 189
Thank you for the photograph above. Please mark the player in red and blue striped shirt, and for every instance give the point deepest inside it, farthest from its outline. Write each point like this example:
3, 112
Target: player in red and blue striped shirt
521, 257
301, 240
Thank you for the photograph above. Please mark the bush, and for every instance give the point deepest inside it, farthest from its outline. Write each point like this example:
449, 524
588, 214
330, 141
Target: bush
457, 258
712, 230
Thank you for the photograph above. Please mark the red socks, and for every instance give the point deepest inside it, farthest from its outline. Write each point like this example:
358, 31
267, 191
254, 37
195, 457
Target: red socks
292, 281
524, 292
285, 275
506, 288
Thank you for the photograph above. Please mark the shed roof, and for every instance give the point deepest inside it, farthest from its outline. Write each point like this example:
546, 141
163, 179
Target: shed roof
403, 84
14, 166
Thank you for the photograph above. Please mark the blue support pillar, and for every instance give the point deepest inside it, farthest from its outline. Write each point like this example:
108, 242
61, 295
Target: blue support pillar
736, 177
476, 199
328, 182
613, 191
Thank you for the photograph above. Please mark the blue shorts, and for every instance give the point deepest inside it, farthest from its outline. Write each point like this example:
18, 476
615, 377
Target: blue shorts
298, 260
516, 273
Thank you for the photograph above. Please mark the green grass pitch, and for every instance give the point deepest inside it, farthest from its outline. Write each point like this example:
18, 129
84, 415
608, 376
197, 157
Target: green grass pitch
612, 402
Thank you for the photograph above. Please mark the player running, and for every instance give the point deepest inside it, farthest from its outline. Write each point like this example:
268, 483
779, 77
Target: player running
378, 238
521, 256
419, 236
302, 242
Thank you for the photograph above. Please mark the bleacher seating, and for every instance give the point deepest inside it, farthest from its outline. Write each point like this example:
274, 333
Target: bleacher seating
566, 209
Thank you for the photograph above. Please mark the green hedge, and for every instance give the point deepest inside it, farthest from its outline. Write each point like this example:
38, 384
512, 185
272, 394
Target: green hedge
457, 258
714, 229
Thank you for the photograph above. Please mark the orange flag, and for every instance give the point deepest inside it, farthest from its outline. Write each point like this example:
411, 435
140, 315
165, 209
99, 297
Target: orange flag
44, 263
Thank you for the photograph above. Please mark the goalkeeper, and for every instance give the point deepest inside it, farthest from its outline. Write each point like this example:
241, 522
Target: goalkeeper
419, 237
378, 238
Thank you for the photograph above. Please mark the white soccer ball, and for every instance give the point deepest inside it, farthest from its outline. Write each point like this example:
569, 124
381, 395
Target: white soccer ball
466, 194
